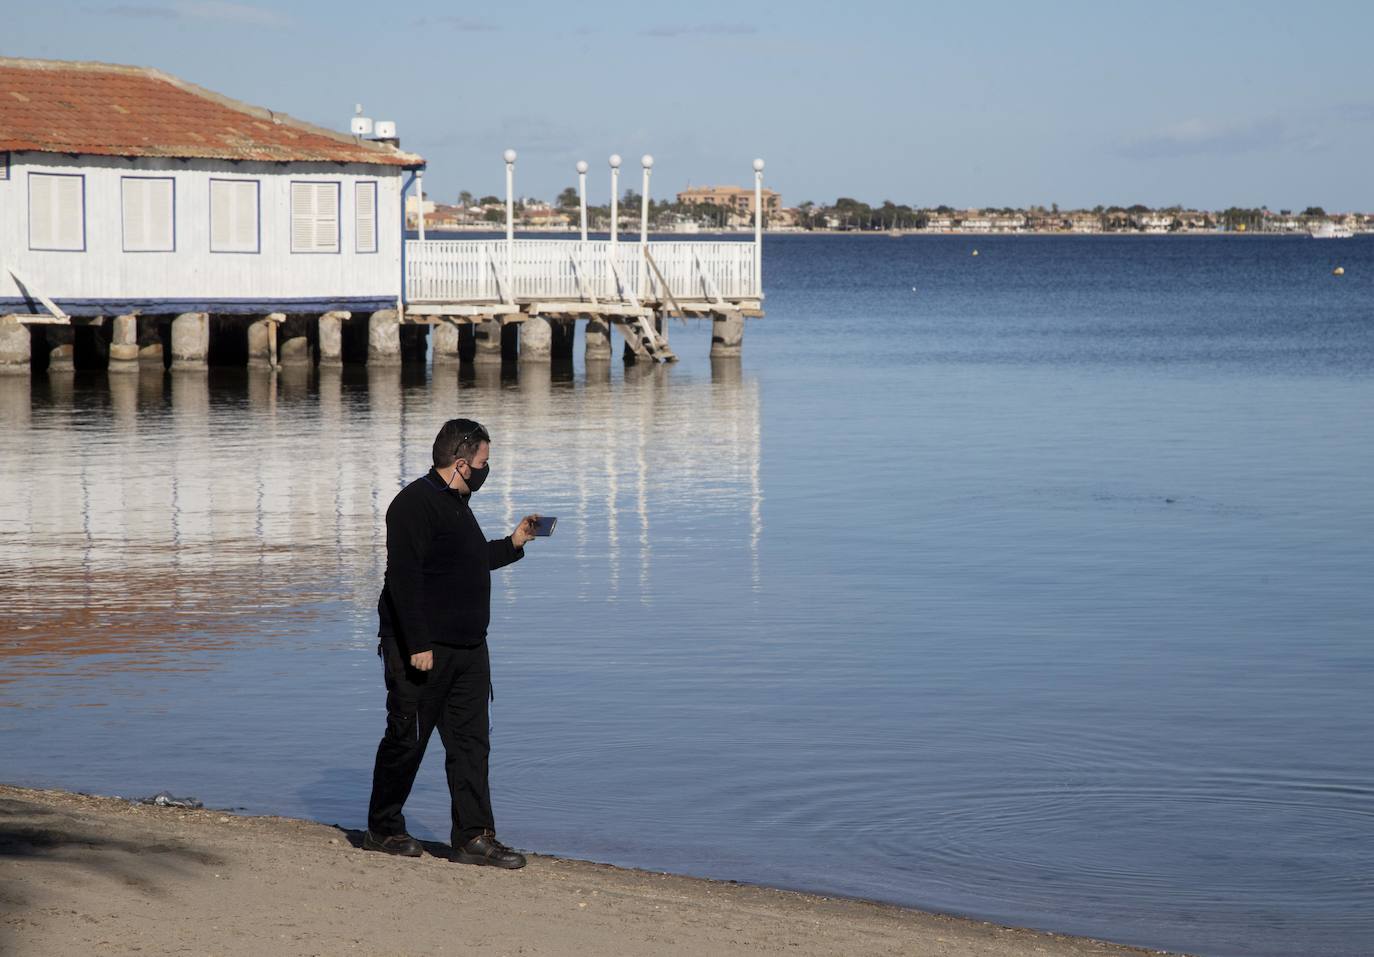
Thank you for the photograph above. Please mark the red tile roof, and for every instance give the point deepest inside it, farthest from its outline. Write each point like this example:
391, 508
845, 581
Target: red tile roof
57, 106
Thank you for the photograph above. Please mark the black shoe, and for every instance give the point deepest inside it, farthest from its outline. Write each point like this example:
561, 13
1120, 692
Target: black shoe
485, 849
402, 844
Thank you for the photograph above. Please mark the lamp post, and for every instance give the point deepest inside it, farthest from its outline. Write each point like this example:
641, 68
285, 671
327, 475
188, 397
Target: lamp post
582, 194
758, 227
647, 162
615, 198
510, 223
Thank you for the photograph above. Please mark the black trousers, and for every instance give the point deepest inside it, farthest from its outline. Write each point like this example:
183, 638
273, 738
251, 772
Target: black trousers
453, 697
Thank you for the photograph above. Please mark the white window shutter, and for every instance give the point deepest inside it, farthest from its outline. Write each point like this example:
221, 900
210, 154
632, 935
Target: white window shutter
135, 218
302, 218
56, 213
41, 203
161, 209
233, 216
148, 205
245, 225
314, 217
70, 215
326, 217
365, 204
222, 214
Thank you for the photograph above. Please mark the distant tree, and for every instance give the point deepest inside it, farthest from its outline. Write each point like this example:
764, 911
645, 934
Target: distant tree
464, 198
1315, 212
494, 216
489, 201
570, 198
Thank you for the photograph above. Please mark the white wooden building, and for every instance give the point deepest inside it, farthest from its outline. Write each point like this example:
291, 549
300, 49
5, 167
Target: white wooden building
126, 191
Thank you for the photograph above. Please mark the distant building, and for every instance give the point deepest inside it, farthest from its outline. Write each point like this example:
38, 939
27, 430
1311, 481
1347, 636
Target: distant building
1153, 222
1085, 222
545, 217
125, 190
738, 199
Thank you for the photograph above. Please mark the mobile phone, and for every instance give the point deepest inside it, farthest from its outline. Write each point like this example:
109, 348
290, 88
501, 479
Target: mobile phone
544, 525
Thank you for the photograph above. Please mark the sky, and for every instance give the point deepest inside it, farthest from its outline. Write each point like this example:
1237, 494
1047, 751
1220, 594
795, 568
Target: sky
1207, 104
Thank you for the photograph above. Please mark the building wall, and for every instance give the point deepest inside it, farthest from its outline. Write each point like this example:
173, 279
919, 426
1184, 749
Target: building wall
738, 198
104, 279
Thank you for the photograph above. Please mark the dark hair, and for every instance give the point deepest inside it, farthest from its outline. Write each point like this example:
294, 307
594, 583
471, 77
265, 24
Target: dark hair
458, 439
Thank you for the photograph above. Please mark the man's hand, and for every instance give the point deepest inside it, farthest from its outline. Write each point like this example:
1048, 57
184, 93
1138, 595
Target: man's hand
424, 661
524, 531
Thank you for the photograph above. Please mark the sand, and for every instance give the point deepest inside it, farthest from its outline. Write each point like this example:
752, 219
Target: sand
86, 875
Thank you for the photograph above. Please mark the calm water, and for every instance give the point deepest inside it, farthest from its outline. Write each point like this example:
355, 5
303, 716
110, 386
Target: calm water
1033, 586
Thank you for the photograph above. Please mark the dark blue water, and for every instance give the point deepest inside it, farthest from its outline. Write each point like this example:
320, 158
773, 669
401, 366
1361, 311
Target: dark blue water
1032, 586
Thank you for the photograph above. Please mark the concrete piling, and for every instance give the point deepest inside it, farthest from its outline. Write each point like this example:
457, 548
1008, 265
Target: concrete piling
384, 338
260, 344
445, 343
295, 352
124, 345
536, 340
331, 337
597, 347
149, 345
190, 342
727, 336
16, 347
61, 344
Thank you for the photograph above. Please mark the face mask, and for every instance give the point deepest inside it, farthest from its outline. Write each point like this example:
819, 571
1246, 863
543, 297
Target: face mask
477, 477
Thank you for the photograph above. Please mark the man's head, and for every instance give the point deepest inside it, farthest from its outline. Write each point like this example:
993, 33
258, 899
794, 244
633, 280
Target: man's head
462, 443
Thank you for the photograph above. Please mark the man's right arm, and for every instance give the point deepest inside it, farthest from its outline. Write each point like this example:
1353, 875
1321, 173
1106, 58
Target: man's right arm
408, 536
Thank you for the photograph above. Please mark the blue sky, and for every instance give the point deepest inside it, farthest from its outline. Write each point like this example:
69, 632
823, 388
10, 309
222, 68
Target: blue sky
1204, 103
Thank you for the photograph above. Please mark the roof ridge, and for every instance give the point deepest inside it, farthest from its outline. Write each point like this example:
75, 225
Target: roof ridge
259, 112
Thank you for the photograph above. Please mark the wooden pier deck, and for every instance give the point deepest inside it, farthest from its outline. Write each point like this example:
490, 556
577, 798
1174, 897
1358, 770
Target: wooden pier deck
631, 285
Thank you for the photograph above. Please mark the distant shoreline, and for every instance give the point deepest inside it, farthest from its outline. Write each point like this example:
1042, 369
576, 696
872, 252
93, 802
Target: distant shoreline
672, 236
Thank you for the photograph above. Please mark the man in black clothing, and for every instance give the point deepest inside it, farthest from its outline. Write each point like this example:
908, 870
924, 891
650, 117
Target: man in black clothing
434, 611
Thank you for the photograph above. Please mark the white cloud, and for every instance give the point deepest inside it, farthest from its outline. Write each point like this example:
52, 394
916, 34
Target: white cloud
702, 29
217, 11
1196, 136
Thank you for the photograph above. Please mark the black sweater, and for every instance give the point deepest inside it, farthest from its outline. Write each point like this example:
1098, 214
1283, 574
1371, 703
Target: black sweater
438, 569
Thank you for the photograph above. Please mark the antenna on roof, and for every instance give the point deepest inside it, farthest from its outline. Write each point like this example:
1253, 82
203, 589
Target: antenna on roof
361, 125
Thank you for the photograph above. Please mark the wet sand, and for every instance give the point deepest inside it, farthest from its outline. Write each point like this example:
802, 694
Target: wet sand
96, 875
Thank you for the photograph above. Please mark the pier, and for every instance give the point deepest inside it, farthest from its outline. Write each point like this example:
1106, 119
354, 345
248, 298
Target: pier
186, 229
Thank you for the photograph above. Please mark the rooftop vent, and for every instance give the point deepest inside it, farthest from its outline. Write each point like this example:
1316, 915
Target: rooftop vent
361, 125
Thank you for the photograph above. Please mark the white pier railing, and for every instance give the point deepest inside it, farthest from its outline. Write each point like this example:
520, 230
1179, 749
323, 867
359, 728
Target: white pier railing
476, 271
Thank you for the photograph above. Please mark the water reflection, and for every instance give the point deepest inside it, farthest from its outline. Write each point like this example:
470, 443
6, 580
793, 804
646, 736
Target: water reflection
142, 517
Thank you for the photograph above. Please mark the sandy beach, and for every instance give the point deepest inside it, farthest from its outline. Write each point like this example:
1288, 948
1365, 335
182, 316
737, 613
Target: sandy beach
98, 875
